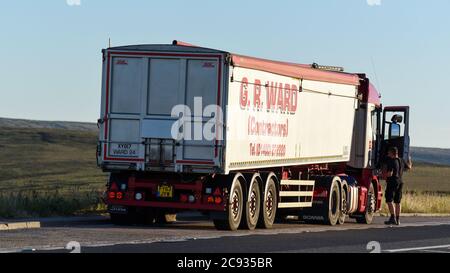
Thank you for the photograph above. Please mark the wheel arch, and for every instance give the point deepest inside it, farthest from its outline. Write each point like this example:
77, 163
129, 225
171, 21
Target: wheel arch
276, 180
378, 192
251, 177
242, 179
344, 188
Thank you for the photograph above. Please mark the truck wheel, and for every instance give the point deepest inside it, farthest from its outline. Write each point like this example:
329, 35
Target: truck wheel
344, 203
269, 204
367, 217
234, 208
333, 205
250, 215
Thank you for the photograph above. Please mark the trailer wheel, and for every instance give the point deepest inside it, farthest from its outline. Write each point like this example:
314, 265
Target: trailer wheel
269, 204
234, 207
250, 215
367, 217
333, 205
344, 203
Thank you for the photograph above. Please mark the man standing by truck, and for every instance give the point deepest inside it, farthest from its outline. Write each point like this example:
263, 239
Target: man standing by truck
394, 187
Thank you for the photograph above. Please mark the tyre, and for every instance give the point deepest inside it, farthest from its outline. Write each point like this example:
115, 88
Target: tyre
344, 203
235, 206
252, 209
333, 204
367, 217
269, 204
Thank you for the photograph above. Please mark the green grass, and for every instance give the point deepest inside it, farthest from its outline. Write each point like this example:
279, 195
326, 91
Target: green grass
428, 178
48, 159
46, 172
423, 202
51, 203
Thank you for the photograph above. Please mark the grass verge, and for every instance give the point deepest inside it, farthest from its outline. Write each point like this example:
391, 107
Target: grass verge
50, 203
423, 202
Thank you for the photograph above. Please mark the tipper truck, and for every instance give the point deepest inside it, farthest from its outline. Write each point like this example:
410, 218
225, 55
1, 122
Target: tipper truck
244, 140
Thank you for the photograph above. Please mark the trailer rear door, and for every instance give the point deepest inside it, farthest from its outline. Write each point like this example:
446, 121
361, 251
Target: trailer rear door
142, 90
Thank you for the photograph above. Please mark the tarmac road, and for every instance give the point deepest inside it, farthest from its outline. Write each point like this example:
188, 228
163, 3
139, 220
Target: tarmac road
193, 234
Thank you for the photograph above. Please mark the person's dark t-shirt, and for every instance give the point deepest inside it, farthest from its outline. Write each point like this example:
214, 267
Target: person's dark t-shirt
396, 166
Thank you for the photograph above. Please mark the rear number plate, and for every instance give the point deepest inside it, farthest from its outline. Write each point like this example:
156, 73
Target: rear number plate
124, 149
165, 191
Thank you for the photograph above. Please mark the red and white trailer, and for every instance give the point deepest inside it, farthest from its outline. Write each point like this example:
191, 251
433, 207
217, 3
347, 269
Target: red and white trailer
240, 138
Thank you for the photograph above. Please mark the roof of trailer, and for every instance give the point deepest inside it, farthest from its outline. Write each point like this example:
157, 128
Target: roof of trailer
301, 71
165, 47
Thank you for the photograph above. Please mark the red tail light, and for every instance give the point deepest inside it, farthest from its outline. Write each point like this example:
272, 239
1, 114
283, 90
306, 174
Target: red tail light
183, 198
111, 195
218, 200
119, 195
210, 199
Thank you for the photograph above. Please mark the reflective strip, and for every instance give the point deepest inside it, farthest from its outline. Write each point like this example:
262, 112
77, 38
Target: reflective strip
295, 193
298, 182
294, 205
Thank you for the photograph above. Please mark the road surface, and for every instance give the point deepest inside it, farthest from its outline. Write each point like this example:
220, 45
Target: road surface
194, 234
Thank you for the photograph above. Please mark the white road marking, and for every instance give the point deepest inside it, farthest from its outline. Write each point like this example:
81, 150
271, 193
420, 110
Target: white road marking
416, 248
435, 251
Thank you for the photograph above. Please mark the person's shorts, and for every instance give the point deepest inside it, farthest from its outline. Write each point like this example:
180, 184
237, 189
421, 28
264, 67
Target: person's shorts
394, 192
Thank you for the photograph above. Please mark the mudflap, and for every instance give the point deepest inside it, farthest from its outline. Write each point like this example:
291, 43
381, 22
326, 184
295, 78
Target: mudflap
318, 213
315, 214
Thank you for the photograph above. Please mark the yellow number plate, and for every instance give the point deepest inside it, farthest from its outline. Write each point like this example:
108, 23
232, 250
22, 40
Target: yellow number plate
165, 191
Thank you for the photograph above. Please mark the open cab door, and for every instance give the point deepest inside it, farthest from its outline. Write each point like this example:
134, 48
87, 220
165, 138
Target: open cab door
395, 131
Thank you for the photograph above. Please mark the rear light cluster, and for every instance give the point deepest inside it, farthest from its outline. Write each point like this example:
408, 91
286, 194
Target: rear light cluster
185, 198
115, 195
114, 192
216, 197
139, 196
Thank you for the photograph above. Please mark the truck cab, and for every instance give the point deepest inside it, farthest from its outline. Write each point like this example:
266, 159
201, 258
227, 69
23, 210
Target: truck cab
395, 131
377, 128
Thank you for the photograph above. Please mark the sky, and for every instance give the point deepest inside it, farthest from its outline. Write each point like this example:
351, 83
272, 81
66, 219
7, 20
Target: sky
50, 57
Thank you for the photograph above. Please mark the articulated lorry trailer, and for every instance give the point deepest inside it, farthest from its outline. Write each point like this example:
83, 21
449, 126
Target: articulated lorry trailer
243, 140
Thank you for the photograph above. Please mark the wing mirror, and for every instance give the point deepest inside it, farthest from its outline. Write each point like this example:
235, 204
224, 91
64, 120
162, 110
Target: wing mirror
397, 119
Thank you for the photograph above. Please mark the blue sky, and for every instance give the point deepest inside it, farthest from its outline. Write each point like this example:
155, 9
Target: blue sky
51, 51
